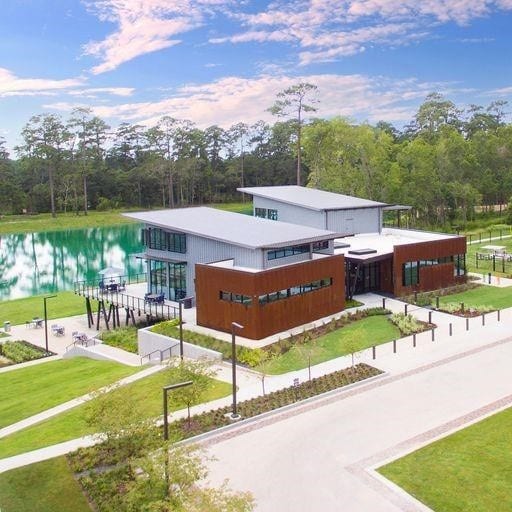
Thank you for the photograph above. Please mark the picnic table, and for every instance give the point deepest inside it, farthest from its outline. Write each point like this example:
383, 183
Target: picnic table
154, 298
58, 330
35, 323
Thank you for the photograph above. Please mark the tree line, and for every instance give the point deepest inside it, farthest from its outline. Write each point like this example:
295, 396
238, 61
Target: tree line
444, 162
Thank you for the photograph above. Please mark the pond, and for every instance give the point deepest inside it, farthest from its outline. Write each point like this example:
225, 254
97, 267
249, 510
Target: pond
37, 263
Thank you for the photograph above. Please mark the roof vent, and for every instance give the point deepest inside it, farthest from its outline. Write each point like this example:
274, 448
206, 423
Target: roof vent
362, 252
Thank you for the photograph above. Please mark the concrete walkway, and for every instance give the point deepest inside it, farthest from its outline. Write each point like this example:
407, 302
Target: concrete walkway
322, 456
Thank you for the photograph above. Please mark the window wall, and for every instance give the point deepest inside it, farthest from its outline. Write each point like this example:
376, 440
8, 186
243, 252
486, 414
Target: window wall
156, 238
168, 278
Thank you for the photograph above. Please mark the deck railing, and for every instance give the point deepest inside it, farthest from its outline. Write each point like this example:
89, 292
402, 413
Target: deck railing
118, 297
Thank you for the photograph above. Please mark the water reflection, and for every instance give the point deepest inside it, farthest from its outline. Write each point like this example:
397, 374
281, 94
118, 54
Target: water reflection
36, 263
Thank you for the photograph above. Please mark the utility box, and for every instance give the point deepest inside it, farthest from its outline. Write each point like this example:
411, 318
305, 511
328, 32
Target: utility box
7, 326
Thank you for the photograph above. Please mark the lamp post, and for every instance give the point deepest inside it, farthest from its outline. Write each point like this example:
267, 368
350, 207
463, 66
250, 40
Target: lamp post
165, 391
46, 320
234, 325
180, 302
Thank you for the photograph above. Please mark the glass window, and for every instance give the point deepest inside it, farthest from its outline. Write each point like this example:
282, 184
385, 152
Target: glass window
321, 246
272, 214
260, 212
410, 274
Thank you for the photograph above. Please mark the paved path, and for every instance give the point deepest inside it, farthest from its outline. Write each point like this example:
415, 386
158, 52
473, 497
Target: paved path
320, 456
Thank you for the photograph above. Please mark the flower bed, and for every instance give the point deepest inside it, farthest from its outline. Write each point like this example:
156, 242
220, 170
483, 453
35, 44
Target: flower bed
456, 308
88, 458
22, 351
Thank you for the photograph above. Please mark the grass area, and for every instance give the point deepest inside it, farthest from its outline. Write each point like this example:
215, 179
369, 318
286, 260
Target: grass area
45, 222
30, 390
234, 207
354, 337
47, 486
65, 304
122, 337
71, 424
469, 470
497, 298
503, 268
94, 219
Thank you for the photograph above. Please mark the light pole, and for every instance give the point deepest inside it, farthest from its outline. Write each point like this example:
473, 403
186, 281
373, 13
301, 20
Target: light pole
180, 302
234, 325
166, 390
46, 320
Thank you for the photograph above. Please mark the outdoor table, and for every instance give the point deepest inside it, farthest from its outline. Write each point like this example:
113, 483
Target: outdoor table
37, 322
58, 330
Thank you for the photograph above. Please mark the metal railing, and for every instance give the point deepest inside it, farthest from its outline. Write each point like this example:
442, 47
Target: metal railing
161, 354
92, 290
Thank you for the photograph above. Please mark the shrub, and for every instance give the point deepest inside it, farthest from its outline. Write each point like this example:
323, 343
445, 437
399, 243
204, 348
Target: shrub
22, 351
407, 324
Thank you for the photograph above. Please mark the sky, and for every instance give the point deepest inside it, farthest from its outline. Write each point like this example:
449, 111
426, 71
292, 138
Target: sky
223, 61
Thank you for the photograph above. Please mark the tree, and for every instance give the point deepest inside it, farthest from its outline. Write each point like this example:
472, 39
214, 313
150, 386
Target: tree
292, 102
182, 370
172, 479
91, 134
119, 419
45, 139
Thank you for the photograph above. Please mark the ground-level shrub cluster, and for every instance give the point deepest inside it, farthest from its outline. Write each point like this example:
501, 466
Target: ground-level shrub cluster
254, 357
407, 324
427, 299
22, 351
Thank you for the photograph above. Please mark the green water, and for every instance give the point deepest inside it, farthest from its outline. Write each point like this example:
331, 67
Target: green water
36, 263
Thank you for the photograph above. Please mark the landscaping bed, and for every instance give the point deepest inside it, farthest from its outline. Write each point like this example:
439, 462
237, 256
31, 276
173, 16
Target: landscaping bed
86, 459
316, 345
15, 352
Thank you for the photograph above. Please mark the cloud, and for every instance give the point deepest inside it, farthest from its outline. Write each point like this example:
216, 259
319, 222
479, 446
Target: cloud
92, 92
11, 85
326, 30
144, 26
230, 100
504, 91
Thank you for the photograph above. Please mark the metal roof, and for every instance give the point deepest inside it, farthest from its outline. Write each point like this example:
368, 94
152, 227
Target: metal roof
311, 198
232, 228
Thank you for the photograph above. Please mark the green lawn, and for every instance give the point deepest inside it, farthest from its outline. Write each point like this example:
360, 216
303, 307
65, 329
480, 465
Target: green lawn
45, 222
497, 298
47, 486
94, 219
356, 336
65, 304
71, 424
485, 266
28, 391
122, 337
470, 470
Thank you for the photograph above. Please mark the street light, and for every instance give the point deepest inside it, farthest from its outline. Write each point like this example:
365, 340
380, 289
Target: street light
46, 320
180, 302
234, 325
166, 390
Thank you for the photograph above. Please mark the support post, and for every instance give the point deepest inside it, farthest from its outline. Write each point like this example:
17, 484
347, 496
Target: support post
234, 325
405, 308
374, 352
430, 317
467, 324
483, 318
499, 314
451, 328
433, 334
394, 346
414, 340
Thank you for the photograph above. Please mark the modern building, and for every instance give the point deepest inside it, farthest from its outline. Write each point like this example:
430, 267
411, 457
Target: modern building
293, 262
268, 276
396, 261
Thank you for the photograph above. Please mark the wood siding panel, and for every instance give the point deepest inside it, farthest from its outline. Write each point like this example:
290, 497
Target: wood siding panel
260, 321
431, 278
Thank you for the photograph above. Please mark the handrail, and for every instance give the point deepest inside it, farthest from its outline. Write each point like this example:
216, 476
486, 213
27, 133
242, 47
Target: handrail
87, 289
162, 352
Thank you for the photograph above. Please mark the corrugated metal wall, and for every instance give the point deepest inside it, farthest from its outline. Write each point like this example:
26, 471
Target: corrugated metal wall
351, 222
291, 213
